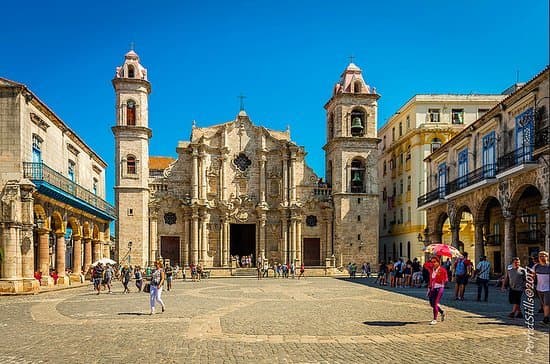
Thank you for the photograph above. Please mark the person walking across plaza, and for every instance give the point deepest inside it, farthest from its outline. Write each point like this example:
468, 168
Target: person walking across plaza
138, 276
542, 271
302, 271
436, 287
483, 270
125, 275
97, 275
157, 280
169, 275
515, 280
462, 272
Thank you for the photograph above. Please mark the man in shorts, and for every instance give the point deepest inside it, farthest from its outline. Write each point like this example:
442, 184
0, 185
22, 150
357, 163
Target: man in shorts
463, 271
515, 280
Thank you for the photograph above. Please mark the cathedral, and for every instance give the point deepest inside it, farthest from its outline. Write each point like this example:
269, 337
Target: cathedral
240, 189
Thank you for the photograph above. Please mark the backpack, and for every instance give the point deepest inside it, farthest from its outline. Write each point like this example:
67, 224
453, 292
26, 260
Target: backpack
460, 268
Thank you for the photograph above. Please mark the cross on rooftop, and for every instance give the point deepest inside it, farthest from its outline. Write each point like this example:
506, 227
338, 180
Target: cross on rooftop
241, 97
351, 58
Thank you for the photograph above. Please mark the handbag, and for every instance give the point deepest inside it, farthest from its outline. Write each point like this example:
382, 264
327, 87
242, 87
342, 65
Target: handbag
147, 288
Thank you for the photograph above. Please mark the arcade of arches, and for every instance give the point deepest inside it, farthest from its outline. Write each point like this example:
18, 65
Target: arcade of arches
507, 219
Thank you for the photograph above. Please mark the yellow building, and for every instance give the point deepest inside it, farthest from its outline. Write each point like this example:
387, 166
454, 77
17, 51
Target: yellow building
419, 127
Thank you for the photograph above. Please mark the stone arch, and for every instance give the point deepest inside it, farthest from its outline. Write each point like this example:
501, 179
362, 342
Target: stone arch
437, 232
40, 213
481, 212
58, 226
74, 224
95, 232
519, 192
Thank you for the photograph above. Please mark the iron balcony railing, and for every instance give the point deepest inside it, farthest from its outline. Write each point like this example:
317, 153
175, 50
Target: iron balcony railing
431, 196
478, 175
515, 158
38, 171
542, 137
530, 237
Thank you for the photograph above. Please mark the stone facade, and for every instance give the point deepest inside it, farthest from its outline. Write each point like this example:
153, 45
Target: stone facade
237, 188
52, 190
497, 171
421, 125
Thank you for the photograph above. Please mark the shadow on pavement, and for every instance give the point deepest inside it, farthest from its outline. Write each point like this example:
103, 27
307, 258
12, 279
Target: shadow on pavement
390, 323
497, 308
132, 313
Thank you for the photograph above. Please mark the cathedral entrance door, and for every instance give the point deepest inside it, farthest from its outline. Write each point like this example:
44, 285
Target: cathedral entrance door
312, 251
170, 249
242, 240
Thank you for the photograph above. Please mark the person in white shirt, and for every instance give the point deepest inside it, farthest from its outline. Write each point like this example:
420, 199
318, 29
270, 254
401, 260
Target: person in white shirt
483, 270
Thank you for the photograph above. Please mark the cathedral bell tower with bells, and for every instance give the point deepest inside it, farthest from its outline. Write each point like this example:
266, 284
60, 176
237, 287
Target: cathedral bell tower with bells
132, 136
351, 154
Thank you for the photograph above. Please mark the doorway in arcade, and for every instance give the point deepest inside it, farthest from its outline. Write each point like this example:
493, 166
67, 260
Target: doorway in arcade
170, 249
242, 240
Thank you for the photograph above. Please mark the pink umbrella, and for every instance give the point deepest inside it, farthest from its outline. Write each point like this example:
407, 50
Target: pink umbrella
443, 250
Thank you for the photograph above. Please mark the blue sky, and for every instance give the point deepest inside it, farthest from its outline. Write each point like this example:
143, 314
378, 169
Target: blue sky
285, 56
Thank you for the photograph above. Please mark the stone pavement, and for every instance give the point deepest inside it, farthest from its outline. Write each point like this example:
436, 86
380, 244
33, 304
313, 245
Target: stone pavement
313, 320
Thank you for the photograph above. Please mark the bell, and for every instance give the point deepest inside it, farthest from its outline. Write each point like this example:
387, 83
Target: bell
356, 125
356, 178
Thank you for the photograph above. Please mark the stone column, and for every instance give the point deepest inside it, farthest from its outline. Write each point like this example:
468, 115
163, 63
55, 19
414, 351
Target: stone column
60, 251
185, 242
203, 177
479, 248
87, 253
195, 238
262, 178
204, 235
77, 254
455, 233
292, 178
509, 237
106, 250
285, 180
195, 176
226, 251
299, 241
44, 251
96, 250
292, 240
284, 235
261, 231
222, 178
154, 249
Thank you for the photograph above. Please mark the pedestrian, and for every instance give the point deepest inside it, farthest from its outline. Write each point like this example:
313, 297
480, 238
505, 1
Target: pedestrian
108, 277
436, 287
302, 271
515, 280
483, 270
169, 273
368, 270
97, 275
157, 280
138, 276
462, 272
125, 277
542, 271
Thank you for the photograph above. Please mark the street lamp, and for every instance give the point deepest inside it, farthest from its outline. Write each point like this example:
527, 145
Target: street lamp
129, 251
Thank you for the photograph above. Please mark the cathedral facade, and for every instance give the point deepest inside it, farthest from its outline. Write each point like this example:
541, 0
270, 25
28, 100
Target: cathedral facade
240, 189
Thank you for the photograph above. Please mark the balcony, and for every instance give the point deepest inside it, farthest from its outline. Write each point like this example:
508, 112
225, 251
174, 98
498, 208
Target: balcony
431, 198
542, 141
322, 193
492, 240
530, 237
475, 179
55, 185
517, 161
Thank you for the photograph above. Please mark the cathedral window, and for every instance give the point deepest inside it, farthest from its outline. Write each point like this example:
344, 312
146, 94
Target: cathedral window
71, 170
311, 220
131, 165
457, 116
36, 149
331, 126
357, 122
131, 73
170, 218
357, 87
400, 129
242, 162
357, 176
131, 113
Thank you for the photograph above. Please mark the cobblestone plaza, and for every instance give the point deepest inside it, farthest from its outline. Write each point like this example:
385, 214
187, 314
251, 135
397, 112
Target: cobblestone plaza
313, 320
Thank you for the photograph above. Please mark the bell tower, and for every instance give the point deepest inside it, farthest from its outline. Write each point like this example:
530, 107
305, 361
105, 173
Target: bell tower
132, 136
351, 153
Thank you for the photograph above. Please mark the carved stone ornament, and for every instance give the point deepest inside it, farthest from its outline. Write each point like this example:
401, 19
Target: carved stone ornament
242, 162
170, 218
311, 220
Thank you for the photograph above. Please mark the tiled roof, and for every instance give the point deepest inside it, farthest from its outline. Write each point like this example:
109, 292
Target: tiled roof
160, 163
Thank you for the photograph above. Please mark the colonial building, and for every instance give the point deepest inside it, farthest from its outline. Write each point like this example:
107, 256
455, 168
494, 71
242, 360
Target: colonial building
496, 170
238, 188
52, 190
418, 128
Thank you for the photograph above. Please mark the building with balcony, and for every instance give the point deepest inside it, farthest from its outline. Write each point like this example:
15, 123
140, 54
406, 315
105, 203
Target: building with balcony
54, 216
497, 171
419, 127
